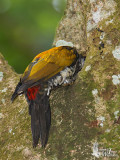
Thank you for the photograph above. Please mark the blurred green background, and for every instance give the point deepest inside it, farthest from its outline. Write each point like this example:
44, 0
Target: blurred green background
27, 27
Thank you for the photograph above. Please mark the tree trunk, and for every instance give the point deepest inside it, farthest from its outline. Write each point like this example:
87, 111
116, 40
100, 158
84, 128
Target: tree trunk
85, 115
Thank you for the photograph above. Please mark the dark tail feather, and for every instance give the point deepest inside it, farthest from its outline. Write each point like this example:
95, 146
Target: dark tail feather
40, 112
35, 126
15, 94
45, 120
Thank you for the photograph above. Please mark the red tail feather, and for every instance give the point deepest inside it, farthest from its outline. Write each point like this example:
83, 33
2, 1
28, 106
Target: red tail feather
31, 92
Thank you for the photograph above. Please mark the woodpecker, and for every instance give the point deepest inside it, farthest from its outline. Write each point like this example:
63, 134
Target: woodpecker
48, 70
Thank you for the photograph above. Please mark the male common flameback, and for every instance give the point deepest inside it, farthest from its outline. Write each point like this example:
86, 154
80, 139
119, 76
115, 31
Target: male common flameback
55, 67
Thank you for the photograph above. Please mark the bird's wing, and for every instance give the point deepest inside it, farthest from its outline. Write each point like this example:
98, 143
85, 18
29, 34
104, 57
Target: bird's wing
49, 63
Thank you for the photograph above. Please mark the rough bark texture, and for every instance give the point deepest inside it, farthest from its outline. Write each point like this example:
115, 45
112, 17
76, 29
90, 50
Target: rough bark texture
73, 24
85, 114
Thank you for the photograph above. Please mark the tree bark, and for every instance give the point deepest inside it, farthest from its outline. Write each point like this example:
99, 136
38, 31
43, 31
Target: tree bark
85, 115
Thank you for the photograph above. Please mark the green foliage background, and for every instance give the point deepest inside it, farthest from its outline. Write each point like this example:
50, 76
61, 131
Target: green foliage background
27, 27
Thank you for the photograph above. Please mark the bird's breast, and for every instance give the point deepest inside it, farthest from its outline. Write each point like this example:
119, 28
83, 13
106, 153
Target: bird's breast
64, 77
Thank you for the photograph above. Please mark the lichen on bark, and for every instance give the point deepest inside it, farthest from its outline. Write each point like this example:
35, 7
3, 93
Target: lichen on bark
83, 114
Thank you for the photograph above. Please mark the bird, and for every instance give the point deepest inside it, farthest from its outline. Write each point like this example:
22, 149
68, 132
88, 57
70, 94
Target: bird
50, 69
